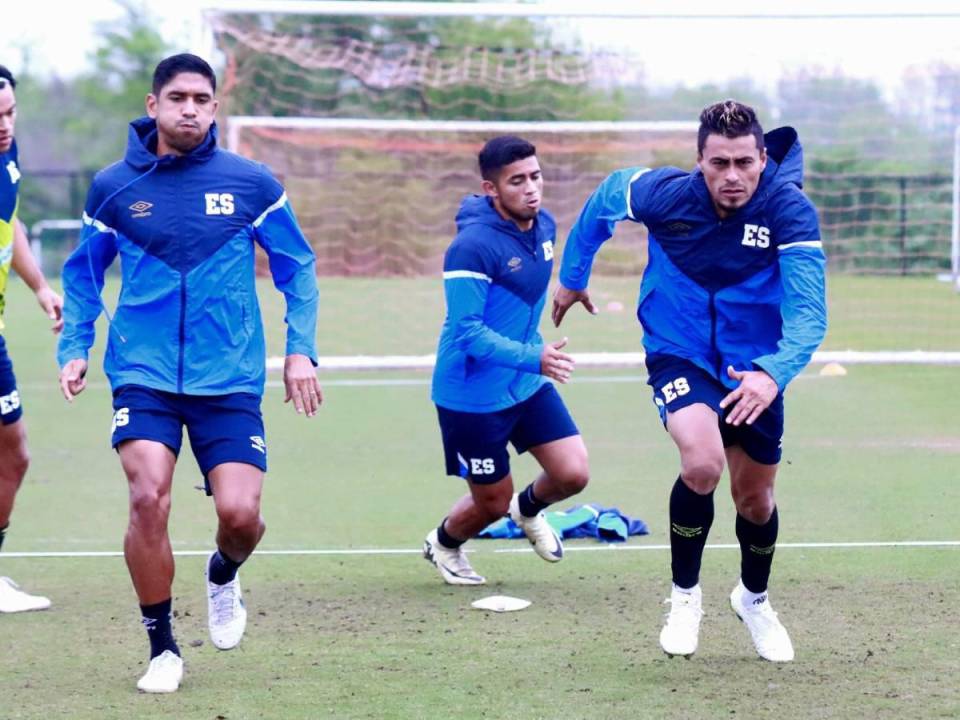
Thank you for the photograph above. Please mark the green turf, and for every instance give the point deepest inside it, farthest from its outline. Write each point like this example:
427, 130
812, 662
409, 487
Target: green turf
872, 456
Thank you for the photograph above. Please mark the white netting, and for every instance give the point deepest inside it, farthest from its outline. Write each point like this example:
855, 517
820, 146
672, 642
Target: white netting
379, 199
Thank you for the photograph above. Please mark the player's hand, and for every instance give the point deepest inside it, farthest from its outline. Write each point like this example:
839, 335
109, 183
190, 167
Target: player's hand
73, 378
555, 364
52, 305
564, 298
754, 395
300, 381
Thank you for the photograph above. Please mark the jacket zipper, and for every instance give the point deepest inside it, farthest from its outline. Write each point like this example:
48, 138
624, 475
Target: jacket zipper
183, 331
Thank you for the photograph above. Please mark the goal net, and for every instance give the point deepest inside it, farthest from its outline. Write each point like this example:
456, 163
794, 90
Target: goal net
372, 115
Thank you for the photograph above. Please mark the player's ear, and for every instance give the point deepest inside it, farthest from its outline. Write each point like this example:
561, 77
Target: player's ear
151, 104
489, 188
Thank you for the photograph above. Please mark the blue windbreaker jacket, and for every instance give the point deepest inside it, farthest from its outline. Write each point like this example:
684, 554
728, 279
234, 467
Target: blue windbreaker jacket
746, 291
187, 320
495, 279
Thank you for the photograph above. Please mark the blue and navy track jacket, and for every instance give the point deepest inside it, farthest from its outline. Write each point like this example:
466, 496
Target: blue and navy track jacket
495, 278
187, 320
746, 291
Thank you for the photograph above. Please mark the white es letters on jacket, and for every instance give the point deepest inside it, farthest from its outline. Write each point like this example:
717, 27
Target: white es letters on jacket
219, 203
756, 236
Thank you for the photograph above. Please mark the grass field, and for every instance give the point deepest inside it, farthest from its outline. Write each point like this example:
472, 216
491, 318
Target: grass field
873, 457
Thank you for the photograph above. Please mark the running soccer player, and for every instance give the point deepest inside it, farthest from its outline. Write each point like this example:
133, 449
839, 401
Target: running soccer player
732, 307
490, 382
15, 252
186, 345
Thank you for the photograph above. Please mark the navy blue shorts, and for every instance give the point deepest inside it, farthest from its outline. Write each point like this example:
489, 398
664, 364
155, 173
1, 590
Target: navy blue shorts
677, 383
475, 444
10, 410
222, 428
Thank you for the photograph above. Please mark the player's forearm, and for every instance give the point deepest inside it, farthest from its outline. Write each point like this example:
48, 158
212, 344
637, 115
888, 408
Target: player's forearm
487, 346
23, 262
607, 205
804, 313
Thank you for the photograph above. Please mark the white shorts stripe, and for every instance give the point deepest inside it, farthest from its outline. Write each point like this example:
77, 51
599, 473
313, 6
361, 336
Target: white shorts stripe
455, 274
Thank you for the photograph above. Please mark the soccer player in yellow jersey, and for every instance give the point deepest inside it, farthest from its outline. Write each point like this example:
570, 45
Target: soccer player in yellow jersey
15, 252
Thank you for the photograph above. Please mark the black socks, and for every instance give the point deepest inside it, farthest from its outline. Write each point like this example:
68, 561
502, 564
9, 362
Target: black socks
157, 621
691, 516
757, 543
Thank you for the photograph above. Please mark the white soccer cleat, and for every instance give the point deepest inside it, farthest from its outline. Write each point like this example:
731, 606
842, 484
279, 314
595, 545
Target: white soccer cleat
770, 637
163, 675
452, 565
13, 599
226, 614
546, 543
681, 632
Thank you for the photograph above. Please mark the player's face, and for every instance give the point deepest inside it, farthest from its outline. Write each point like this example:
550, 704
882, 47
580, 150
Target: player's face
8, 114
731, 168
518, 191
184, 111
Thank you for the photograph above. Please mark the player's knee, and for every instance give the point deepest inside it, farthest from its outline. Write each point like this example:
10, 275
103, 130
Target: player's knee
15, 466
757, 507
575, 478
702, 473
241, 519
496, 505
149, 507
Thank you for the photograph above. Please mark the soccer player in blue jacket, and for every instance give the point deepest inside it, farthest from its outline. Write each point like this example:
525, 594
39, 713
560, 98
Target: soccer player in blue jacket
15, 253
732, 307
185, 346
490, 382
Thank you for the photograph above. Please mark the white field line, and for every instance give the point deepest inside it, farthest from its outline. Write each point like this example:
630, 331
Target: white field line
576, 548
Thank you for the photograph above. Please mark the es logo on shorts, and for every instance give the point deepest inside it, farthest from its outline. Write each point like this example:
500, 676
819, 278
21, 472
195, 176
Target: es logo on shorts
9, 403
120, 418
482, 466
219, 203
257, 443
674, 389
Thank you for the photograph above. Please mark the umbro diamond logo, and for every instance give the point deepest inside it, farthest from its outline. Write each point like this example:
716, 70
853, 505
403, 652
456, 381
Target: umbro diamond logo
515, 264
141, 208
680, 228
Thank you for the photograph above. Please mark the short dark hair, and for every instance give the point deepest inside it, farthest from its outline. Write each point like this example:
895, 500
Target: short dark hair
500, 152
731, 119
172, 66
5, 74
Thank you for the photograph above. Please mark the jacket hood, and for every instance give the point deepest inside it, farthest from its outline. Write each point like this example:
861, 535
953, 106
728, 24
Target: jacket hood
784, 158
479, 210
142, 145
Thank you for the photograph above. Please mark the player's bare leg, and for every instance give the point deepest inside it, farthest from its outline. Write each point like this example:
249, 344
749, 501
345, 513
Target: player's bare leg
566, 472
443, 546
695, 433
236, 493
149, 469
14, 460
751, 484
